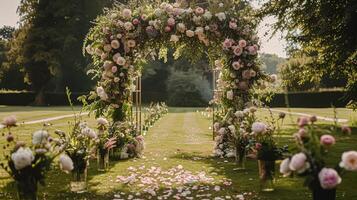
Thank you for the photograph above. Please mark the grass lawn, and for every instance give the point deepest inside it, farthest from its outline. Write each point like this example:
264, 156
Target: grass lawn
182, 137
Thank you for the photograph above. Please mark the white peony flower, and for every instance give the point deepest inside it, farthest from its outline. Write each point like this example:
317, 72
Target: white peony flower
89, 132
259, 127
230, 95
221, 16
207, 15
22, 158
284, 167
102, 94
232, 129
190, 33
39, 137
174, 38
9, 121
66, 163
349, 160
126, 13
299, 163
102, 121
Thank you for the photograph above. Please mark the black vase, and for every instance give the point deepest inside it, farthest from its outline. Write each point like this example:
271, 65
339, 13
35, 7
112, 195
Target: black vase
322, 194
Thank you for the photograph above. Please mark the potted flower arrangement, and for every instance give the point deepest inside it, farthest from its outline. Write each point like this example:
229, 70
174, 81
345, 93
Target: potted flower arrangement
267, 152
80, 146
28, 164
103, 144
311, 160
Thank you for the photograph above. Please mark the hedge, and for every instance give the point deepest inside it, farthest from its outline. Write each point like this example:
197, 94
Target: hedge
296, 99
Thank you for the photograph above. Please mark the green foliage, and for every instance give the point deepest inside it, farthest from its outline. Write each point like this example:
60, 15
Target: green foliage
187, 88
48, 43
325, 30
297, 75
270, 62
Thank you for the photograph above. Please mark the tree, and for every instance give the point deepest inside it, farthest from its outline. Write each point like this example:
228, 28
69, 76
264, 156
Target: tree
49, 42
324, 30
270, 62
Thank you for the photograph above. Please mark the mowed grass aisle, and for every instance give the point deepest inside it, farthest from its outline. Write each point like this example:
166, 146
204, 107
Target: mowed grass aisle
177, 164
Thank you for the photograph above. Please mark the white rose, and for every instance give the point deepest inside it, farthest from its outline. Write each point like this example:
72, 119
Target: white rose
121, 61
66, 163
22, 158
39, 137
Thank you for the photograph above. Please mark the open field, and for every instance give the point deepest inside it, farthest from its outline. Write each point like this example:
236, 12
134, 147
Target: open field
182, 137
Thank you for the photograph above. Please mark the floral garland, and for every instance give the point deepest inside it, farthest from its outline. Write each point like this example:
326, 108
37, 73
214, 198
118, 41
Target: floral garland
124, 38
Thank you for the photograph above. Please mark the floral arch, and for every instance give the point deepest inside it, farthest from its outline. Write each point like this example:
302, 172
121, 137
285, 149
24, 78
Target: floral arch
125, 37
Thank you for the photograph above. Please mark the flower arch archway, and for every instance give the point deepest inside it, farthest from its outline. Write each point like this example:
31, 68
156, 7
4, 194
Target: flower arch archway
124, 38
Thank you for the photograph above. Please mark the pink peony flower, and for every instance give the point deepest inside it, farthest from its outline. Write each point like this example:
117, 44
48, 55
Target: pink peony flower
171, 22
346, 129
303, 121
167, 29
313, 118
252, 50
327, 140
9, 121
349, 160
228, 43
242, 43
299, 163
329, 178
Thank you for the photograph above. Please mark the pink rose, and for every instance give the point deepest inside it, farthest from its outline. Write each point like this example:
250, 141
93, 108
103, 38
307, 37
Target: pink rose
236, 65
144, 17
114, 69
237, 50
199, 11
167, 29
258, 146
299, 163
329, 178
327, 140
252, 50
136, 21
228, 43
233, 25
242, 43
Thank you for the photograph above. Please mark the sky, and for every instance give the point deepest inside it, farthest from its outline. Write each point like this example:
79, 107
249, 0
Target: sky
274, 45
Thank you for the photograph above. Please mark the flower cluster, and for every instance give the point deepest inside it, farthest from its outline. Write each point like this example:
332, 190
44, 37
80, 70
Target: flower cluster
27, 163
153, 113
310, 161
123, 38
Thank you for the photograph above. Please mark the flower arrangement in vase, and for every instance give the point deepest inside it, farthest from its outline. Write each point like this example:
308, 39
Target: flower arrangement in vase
103, 144
27, 164
267, 150
311, 160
